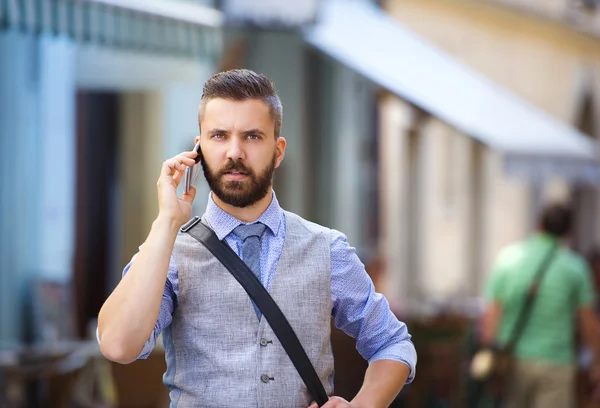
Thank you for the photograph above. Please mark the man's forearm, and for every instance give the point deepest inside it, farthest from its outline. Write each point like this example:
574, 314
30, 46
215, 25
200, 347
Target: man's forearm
128, 316
490, 323
383, 381
590, 330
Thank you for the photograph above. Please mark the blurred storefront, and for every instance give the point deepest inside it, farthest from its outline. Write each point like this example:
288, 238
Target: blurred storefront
529, 134
88, 89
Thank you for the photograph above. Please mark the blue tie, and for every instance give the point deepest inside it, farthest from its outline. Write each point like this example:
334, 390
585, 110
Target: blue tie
250, 235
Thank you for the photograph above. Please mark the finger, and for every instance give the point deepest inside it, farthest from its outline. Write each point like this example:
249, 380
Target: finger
189, 196
313, 405
175, 167
168, 168
191, 154
335, 402
177, 176
180, 162
186, 158
176, 164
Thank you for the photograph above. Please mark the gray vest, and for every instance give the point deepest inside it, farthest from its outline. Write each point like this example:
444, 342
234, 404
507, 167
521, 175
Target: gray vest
220, 355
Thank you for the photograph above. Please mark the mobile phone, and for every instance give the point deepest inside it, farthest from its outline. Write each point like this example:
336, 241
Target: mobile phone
191, 173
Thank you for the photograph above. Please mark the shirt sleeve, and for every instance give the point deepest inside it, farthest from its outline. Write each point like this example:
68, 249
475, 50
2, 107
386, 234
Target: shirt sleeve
585, 292
167, 306
365, 314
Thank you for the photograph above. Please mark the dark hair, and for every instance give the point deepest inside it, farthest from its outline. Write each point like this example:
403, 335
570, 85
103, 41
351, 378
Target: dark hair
240, 85
556, 220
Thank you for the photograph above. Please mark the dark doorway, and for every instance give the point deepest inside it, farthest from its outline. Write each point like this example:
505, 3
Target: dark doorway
97, 137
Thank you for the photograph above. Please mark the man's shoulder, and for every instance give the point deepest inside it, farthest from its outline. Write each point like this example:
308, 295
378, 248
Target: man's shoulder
574, 261
309, 226
512, 253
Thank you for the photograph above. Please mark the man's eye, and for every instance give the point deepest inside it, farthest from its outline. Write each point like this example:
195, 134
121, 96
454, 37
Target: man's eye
218, 136
253, 136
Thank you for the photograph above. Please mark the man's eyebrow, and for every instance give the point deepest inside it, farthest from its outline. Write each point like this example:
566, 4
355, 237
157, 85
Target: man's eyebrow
254, 131
217, 131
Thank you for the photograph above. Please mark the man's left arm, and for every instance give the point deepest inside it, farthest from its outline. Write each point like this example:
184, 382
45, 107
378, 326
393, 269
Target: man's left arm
383, 381
492, 314
381, 338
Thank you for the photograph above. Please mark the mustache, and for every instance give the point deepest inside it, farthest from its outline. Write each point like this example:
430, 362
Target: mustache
235, 166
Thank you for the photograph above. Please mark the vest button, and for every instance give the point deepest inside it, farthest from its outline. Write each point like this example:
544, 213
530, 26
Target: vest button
263, 342
265, 378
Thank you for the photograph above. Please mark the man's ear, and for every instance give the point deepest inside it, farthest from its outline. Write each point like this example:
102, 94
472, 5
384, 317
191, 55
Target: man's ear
281, 143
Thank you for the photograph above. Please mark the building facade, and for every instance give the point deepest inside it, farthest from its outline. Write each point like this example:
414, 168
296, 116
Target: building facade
464, 200
88, 91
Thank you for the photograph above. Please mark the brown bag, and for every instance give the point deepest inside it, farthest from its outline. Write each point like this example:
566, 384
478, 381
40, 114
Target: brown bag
488, 364
504, 364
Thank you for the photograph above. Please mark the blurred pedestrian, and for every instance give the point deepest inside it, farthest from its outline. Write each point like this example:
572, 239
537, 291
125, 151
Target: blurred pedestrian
543, 374
220, 351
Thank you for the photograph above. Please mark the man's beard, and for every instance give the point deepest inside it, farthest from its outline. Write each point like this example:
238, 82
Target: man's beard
242, 193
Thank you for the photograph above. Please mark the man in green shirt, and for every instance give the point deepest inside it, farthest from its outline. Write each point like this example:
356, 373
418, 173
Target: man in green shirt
544, 373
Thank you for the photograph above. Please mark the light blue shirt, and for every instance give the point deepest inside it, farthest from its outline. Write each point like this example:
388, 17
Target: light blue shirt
356, 308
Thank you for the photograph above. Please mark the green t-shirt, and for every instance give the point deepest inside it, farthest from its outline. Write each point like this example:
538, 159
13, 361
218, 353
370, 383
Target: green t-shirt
566, 287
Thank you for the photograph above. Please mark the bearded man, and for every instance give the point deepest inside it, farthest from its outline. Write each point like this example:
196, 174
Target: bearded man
220, 351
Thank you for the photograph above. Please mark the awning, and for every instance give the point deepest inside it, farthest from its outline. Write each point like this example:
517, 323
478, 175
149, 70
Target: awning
366, 39
166, 26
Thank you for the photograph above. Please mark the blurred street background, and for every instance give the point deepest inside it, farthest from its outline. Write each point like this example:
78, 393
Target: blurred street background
430, 132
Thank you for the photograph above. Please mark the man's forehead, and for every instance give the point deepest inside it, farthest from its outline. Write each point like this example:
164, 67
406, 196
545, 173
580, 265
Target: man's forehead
222, 105
225, 112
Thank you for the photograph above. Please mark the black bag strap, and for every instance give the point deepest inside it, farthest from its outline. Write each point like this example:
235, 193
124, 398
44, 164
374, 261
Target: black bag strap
263, 300
525, 314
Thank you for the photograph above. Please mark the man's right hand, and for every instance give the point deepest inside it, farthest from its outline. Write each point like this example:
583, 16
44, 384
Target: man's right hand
128, 317
171, 207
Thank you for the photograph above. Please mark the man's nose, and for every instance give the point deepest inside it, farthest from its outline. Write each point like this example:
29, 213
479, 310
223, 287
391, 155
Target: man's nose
235, 149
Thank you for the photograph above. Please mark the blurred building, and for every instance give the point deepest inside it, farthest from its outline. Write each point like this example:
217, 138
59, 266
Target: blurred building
88, 91
472, 184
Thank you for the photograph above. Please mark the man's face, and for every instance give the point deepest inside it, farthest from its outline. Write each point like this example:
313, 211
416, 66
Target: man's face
238, 149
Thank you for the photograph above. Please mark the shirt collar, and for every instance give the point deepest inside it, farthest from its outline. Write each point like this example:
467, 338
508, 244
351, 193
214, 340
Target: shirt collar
542, 236
223, 223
